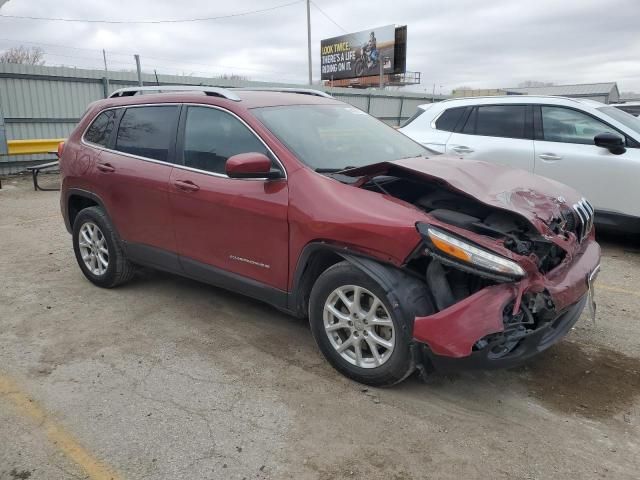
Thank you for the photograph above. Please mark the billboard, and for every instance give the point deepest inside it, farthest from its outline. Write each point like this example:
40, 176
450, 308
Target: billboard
360, 54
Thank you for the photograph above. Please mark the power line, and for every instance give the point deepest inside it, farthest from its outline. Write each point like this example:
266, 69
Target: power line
328, 17
146, 22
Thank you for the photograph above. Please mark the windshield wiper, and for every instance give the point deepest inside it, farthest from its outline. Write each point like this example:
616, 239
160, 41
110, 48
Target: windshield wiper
332, 170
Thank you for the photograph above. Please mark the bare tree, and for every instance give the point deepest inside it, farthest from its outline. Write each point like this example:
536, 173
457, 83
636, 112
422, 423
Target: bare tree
534, 83
233, 76
23, 55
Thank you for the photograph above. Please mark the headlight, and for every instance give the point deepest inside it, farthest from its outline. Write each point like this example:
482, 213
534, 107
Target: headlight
468, 253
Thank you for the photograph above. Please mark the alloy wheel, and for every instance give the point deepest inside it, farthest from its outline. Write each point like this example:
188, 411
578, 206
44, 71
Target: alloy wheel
359, 326
93, 248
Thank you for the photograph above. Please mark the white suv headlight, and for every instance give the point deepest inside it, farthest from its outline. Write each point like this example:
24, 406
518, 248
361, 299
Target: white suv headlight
468, 253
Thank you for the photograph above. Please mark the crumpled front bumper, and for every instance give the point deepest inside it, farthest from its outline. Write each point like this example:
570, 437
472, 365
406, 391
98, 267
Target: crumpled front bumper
452, 332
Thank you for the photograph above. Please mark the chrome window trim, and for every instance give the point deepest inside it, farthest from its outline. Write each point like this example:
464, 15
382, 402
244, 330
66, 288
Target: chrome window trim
182, 167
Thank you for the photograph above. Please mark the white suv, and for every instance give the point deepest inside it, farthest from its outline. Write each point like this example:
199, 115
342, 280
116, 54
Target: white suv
585, 144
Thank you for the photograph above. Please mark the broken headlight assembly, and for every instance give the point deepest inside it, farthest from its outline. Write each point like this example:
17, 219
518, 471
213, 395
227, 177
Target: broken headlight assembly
464, 253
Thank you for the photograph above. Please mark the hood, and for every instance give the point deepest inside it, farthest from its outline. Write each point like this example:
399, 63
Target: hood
536, 198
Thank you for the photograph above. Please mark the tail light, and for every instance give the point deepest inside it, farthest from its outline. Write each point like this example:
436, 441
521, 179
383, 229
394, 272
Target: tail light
60, 149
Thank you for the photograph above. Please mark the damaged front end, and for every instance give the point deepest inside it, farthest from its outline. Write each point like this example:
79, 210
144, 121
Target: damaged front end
505, 286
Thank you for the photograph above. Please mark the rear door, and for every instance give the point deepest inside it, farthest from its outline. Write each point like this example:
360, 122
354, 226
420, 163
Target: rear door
500, 134
565, 151
226, 225
132, 176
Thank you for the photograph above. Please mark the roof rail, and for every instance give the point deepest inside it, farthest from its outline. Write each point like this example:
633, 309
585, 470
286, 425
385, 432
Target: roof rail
301, 91
211, 91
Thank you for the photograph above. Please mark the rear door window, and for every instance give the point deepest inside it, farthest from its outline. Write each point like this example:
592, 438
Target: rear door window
211, 136
100, 130
148, 131
470, 126
501, 121
448, 120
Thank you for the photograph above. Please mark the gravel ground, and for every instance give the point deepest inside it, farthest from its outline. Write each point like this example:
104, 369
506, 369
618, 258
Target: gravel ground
166, 378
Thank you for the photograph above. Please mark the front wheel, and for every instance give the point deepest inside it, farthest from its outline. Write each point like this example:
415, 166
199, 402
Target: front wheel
352, 324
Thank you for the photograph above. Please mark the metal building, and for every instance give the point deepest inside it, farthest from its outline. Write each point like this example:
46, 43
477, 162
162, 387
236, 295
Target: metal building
601, 92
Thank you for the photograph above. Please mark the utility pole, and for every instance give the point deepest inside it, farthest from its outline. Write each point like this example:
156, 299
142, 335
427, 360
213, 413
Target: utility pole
106, 71
309, 40
381, 83
137, 57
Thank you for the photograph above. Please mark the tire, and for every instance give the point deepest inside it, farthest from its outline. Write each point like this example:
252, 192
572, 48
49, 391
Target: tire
118, 269
396, 366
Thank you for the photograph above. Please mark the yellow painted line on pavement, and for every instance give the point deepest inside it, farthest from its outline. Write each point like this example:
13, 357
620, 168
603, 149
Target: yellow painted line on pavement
611, 288
60, 438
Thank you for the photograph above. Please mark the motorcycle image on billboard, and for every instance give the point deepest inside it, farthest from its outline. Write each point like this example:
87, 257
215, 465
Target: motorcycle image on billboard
358, 54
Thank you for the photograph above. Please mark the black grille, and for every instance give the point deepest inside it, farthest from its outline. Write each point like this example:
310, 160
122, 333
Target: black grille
569, 216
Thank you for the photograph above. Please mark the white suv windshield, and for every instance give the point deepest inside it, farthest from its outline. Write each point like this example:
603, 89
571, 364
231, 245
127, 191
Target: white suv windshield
334, 137
624, 118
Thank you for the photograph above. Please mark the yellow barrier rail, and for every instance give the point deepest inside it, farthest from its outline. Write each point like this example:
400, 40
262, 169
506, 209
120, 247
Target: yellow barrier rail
30, 147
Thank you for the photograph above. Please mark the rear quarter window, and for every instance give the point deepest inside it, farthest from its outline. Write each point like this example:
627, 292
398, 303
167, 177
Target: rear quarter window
448, 120
100, 129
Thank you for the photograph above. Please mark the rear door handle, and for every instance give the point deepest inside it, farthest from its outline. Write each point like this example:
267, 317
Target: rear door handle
461, 149
549, 157
186, 185
106, 167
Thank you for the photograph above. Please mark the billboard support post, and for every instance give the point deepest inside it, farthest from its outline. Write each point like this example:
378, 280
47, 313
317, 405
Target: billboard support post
381, 74
309, 40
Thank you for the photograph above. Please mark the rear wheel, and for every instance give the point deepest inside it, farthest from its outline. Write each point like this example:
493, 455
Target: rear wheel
352, 324
98, 250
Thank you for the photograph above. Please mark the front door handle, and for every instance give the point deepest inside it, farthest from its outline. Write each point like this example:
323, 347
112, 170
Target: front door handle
461, 149
186, 185
106, 167
549, 157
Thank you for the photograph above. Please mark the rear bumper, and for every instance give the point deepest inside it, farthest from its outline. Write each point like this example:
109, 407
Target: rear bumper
452, 335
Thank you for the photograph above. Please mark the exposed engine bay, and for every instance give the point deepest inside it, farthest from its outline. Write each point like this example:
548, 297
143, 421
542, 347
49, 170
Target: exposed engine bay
455, 208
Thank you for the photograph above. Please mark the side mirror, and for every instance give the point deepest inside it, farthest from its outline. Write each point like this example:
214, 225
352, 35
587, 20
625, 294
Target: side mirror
612, 142
250, 165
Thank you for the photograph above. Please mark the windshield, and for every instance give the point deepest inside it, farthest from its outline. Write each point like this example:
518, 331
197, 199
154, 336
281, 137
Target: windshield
624, 118
335, 137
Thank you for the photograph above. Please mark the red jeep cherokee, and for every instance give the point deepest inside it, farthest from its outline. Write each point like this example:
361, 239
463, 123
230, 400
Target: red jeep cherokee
400, 261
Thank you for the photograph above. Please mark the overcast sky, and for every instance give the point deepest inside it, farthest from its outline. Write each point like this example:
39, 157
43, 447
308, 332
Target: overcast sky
476, 43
